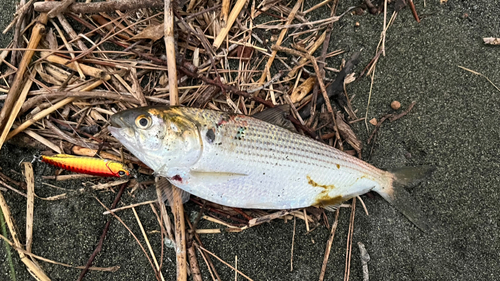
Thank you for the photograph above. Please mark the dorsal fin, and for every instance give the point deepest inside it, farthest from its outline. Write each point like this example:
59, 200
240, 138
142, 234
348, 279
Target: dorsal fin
278, 116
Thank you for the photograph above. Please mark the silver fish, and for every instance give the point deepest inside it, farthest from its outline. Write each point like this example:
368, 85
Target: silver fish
239, 161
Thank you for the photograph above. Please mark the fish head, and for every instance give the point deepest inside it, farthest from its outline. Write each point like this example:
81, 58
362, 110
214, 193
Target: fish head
160, 137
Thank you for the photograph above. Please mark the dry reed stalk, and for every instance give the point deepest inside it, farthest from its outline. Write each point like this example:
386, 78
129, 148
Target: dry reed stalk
329, 246
33, 256
30, 205
49, 110
129, 206
32, 267
87, 70
161, 184
349, 241
15, 110
13, 96
222, 261
301, 91
158, 269
224, 12
177, 207
193, 262
97, 7
311, 51
221, 36
283, 32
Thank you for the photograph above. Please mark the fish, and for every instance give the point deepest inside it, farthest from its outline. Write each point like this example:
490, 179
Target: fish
87, 165
239, 161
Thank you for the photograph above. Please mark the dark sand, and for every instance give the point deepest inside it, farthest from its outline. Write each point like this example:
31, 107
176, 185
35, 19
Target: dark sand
454, 127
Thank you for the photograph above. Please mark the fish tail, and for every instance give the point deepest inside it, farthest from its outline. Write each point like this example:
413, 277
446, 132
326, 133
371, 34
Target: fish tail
395, 193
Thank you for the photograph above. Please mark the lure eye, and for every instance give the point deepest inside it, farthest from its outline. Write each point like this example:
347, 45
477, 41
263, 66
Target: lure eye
143, 122
121, 173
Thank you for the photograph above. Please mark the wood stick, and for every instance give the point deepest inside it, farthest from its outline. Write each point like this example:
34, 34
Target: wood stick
230, 21
14, 92
97, 7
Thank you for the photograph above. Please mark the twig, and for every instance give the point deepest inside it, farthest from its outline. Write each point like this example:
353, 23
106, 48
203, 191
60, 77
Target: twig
49, 110
207, 259
103, 235
365, 258
391, 117
413, 10
106, 269
222, 261
193, 262
293, 240
349, 241
320, 82
329, 246
98, 7
268, 218
480, 74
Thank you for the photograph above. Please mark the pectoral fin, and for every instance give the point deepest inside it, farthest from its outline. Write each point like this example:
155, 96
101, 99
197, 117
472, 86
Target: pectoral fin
167, 193
185, 176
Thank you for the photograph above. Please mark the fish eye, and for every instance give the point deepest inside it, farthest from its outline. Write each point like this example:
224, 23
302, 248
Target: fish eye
143, 122
121, 173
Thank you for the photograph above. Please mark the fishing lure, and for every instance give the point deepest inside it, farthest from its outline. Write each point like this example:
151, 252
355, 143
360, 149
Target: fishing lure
87, 165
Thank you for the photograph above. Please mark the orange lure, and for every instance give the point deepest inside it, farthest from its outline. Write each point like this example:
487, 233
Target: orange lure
87, 165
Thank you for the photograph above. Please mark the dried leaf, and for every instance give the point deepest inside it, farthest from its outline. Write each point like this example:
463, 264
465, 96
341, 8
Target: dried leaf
153, 32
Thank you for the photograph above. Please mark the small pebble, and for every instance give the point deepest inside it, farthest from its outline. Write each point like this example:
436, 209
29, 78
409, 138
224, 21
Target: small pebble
373, 122
395, 105
356, 24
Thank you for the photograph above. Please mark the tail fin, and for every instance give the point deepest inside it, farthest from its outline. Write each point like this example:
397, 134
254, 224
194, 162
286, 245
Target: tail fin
401, 199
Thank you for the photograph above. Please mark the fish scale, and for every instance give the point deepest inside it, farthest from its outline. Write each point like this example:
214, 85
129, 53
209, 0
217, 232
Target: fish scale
240, 161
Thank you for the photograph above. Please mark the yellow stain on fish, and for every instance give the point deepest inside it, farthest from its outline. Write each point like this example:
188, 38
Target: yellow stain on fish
239, 161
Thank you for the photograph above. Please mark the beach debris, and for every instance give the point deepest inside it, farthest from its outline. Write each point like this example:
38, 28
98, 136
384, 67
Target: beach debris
365, 258
395, 105
491, 41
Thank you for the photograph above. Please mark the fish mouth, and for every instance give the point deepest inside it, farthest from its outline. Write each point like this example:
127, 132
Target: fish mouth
117, 121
